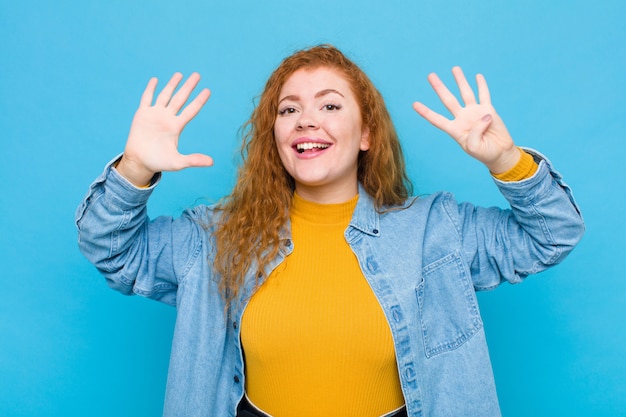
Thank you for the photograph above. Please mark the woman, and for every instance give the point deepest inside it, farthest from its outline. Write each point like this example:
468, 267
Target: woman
319, 286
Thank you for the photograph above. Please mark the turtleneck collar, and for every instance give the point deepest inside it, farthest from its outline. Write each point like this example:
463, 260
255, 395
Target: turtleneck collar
309, 211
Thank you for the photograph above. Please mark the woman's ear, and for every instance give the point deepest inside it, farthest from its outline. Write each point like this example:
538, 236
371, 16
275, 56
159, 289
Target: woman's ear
365, 139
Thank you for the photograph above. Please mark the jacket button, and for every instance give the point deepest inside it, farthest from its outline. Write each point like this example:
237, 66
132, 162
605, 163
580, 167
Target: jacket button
235, 325
375, 231
236, 378
372, 266
410, 373
397, 315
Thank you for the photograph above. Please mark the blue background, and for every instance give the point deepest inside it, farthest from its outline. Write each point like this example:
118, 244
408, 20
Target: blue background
72, 72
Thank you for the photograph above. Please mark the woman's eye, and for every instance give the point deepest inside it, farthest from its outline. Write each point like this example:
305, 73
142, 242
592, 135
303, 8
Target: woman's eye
287, 110
331, 107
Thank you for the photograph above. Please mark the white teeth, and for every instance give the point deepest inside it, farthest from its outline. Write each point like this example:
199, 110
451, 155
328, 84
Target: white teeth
301, 147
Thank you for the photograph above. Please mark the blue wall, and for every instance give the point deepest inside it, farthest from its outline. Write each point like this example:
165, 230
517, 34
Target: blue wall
72, 72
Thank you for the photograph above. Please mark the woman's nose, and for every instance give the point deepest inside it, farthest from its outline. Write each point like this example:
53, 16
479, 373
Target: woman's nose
307, 121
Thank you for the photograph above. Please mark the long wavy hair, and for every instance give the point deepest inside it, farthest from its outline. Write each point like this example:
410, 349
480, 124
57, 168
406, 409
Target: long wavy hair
253, 215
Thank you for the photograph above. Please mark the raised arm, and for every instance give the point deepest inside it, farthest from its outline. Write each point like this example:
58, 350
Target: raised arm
138, 256
152, 144
543, 223
475, 126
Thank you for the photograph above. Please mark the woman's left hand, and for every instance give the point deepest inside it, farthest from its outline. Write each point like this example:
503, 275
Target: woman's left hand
476, 126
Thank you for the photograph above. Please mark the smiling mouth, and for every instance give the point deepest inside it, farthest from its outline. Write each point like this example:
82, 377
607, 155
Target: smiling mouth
309, 146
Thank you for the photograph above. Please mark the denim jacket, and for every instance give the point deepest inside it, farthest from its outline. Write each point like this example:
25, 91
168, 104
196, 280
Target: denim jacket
424, 261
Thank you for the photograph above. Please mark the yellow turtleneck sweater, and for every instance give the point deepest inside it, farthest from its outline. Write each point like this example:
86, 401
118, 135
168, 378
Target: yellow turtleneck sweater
316, 341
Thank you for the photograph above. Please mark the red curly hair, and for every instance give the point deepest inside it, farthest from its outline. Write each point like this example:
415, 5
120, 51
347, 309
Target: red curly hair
256, 211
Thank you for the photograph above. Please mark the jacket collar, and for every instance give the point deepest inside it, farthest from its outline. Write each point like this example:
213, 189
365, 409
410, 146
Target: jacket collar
365, 217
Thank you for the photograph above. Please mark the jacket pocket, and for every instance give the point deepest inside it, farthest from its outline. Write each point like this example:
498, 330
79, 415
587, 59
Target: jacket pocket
447, 303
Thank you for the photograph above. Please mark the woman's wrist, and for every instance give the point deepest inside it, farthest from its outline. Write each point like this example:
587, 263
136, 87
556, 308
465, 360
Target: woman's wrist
140, 178
524, 168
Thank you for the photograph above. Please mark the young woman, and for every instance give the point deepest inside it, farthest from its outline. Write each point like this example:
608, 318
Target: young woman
319, 287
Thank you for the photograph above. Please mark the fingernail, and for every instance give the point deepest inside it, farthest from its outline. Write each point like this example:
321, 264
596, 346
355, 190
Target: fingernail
487, 118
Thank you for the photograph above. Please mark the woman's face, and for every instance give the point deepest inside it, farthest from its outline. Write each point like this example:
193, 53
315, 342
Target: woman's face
319, 134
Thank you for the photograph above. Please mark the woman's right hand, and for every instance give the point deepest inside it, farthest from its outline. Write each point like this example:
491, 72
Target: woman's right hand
152, 144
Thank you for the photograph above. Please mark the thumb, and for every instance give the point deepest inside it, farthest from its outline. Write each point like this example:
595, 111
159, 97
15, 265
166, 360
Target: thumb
475, 136
197, 160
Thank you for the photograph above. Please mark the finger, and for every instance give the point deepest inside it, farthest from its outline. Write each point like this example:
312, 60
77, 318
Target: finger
193, 108
182, 95
447, 98
467, 94
166, 94
148, 93
483, 90
432, 117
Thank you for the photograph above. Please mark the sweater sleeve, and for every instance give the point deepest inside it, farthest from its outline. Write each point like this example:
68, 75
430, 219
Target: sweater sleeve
525, 168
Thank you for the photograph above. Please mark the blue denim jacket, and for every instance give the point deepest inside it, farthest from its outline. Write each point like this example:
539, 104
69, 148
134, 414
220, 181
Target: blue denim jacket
424, 263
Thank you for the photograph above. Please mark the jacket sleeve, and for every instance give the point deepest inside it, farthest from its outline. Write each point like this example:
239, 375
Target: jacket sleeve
135, 255
541, 228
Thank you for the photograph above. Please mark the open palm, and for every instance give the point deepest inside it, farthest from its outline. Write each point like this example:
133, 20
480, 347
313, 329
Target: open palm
152, 144
476, 126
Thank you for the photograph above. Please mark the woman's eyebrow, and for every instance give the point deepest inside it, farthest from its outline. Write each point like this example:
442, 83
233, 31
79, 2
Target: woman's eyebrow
319, 94
327, 91
290, 97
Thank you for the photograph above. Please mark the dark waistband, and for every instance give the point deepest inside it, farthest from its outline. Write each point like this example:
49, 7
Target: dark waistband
247, 409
